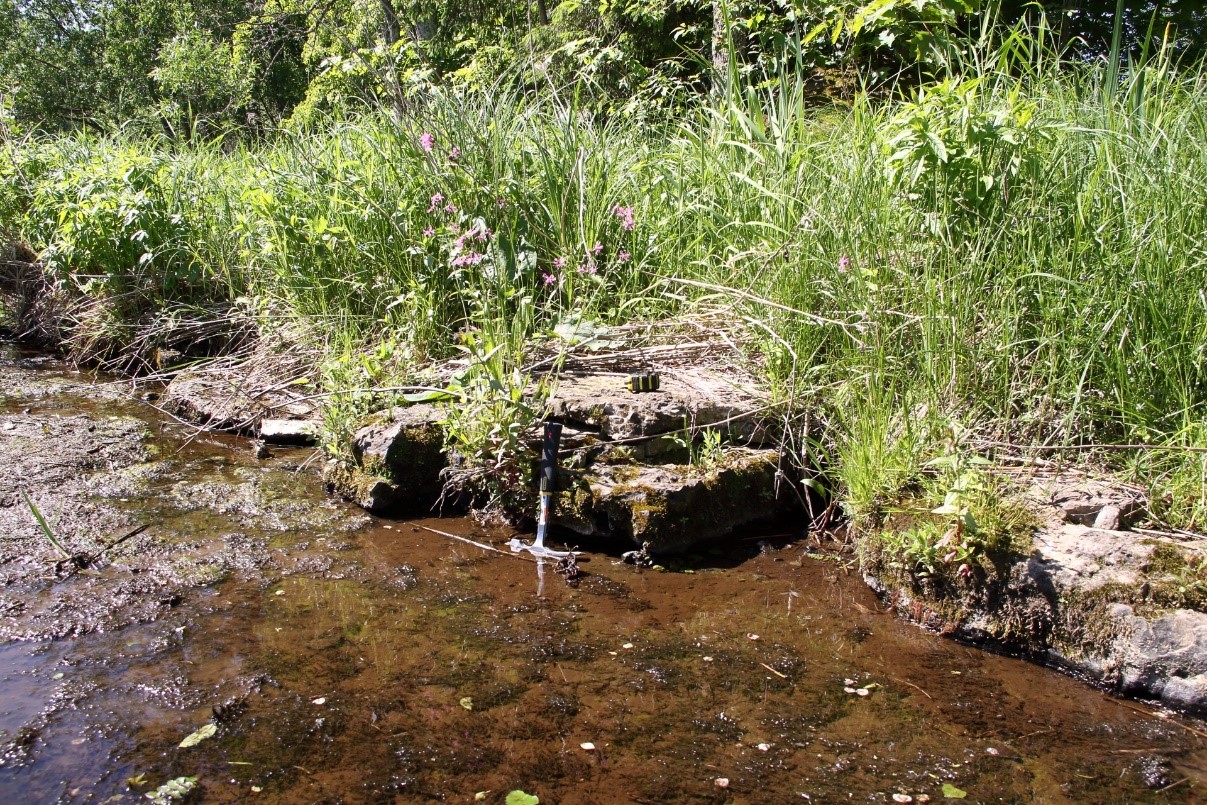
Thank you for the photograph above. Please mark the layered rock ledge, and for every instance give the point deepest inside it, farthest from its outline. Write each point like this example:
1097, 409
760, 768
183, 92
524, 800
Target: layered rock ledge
635, 467
1121, 608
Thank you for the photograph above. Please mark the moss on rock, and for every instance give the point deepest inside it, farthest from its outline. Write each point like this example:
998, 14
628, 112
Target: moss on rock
672, 508
396, 463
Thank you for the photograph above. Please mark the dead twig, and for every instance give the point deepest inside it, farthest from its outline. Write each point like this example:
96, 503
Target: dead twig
481, 545
1054, 448
1174, 721
912, 685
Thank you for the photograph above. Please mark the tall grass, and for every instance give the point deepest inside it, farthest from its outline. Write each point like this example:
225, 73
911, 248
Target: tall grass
1016, 248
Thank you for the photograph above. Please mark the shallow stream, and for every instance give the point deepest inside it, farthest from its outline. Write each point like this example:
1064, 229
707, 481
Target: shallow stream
349, 659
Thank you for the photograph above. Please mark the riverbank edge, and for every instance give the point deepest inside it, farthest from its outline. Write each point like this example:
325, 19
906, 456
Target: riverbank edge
1114, 634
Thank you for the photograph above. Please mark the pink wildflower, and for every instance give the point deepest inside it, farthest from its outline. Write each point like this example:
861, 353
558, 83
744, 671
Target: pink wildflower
559, 262
844, 263
625, 214
587, 268
426, 141
468, 259
450, 208
428, 232
597, 249
437, 200
549, 278
623, 257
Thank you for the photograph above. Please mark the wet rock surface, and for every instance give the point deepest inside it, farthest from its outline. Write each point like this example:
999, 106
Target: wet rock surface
139, 527
396, 463
672, 508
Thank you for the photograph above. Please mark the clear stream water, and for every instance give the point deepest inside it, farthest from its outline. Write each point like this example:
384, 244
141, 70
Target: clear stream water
353, 660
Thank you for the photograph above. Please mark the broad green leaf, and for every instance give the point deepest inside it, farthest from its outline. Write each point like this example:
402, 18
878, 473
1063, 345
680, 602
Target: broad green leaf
208, 731
951, 792
522, 798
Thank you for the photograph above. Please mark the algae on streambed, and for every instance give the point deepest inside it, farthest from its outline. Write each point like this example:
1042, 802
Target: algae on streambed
352, 660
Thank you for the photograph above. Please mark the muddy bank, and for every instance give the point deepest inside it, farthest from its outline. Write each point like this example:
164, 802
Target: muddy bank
133, 526
341, 658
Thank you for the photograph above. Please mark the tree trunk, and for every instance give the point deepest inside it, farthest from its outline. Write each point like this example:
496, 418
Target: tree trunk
390, 34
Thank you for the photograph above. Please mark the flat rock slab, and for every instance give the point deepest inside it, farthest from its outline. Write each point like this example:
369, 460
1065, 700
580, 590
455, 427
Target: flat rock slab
244, 399
689, 398
1145, 647
288, 431
623, 478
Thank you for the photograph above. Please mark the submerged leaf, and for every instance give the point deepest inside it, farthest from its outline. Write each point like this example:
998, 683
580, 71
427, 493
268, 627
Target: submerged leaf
518, 797
467, 702
951, 792
208, 731
172, 790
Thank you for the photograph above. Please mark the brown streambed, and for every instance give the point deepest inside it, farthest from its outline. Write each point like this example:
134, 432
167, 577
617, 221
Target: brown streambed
338, 650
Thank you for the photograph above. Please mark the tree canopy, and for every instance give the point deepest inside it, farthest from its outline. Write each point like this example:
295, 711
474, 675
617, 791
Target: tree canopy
201, 65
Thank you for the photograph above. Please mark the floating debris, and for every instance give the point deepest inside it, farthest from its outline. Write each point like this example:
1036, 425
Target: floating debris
196, 737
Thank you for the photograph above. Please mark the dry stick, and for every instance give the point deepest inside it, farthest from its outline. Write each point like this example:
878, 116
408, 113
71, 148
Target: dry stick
912, 685
755, 298
481, 545
1052, 448
1156, 750
772, 670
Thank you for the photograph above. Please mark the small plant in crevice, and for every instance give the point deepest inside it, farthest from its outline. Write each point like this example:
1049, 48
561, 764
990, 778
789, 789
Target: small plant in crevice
706, 453
976, 523
44, 526
350, 377
490, 410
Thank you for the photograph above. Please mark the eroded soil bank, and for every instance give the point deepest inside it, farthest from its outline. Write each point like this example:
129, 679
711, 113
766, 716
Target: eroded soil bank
348, 659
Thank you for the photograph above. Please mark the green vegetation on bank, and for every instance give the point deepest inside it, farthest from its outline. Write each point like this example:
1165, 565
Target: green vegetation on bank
1009, 252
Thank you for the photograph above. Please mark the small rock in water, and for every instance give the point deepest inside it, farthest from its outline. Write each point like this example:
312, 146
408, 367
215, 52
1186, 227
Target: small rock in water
722, 782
